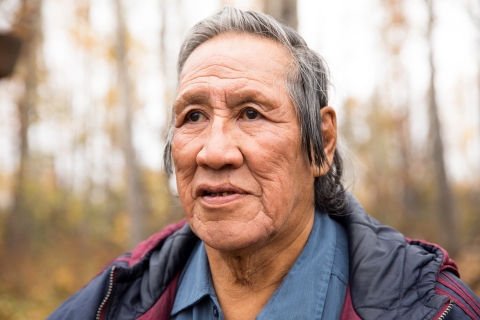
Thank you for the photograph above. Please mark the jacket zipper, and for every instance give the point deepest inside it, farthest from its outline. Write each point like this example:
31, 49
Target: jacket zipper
109, 293
447, 310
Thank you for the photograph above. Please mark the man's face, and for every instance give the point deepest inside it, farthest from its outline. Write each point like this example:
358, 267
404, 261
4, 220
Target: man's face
242, 177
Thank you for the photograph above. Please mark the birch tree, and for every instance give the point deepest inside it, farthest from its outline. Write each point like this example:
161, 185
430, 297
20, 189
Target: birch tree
444, 196
29, 29
135, 196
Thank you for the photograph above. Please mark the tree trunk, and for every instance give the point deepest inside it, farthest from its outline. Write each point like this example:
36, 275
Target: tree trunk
169, 75
19, 223
476, 20
135, 196
475, 16
9, 51
284, 11
29, 30
394, 35
444, 194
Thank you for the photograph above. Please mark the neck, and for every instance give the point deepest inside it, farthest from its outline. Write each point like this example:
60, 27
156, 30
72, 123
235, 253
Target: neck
248, 277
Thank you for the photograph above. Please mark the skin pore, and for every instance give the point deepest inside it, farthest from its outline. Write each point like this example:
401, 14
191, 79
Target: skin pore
243, 179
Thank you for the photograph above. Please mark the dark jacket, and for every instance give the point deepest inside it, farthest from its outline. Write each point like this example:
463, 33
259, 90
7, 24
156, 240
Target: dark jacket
391, 277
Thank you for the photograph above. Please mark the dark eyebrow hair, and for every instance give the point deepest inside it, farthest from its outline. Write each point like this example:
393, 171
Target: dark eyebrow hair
201, 96
244, 97
249, 95
191, 98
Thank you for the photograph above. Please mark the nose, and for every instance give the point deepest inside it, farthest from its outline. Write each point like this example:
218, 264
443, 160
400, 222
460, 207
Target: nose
220, 149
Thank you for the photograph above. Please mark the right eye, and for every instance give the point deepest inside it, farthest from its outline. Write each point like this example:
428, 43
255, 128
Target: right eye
196, 116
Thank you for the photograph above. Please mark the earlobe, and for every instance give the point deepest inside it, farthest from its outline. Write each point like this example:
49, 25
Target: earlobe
329, 135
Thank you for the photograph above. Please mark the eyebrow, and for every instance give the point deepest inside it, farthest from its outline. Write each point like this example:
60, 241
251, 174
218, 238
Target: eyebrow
244, 96
235, 98
189, 97
251, 95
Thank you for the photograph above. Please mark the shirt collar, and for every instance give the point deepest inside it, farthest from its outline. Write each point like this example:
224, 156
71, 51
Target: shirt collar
195, 281
304, 289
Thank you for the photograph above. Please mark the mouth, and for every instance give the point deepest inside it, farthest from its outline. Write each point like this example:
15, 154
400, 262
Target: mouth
218, 191
220, 194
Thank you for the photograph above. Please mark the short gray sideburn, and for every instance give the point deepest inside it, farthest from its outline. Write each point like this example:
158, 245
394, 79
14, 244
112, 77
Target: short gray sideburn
307, 83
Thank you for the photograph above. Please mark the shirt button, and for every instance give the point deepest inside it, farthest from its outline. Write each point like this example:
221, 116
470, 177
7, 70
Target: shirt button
215, 311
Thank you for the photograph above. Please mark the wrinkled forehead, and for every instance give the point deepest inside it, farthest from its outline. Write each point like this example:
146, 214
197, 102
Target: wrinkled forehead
239, 53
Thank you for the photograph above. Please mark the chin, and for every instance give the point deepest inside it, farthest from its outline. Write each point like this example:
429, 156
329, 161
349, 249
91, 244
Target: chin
230, 235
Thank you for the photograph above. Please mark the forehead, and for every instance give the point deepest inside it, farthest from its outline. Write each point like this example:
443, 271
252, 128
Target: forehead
235, 55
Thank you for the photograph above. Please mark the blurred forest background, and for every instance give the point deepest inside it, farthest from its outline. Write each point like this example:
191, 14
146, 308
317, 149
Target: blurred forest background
83, 116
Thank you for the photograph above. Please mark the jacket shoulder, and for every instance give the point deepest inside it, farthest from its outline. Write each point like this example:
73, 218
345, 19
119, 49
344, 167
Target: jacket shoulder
85, 302
393, 277
146, 246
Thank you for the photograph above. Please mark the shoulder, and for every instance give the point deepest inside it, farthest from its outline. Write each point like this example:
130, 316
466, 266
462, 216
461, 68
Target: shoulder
392, 276
144, 247
167, 250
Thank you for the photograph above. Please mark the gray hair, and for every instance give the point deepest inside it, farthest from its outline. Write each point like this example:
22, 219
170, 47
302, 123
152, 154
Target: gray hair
307, 83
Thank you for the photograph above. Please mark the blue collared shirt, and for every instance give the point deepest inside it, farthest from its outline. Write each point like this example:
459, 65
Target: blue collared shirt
314, 288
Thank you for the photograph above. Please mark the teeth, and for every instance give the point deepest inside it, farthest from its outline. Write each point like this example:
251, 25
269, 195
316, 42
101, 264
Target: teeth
220, 194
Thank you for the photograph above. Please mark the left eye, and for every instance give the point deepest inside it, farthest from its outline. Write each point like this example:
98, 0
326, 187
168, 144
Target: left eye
251, 114
195, 116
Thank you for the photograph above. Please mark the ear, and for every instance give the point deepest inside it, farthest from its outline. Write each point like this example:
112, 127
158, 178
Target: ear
329, 135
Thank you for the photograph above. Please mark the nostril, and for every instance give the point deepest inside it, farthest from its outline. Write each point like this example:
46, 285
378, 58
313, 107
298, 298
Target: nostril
219, 149
220, 156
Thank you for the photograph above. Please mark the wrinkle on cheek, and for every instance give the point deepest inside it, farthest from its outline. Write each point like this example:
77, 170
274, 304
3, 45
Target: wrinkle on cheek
262, 222
197, 225
185, 147
184, 190
179, 140
184, 170
183, 180
268, 133
270, 173
280, 161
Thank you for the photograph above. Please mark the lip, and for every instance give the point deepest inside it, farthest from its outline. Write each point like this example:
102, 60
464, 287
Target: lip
210, 194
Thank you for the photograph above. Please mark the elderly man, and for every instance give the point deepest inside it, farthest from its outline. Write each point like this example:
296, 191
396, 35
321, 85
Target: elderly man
270, 232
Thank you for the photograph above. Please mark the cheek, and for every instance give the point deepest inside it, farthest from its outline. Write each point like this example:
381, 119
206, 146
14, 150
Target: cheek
282, 169
277, 157
184, 160
185, 148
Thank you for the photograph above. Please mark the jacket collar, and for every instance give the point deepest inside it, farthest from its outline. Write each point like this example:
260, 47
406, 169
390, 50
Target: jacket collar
390, 276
